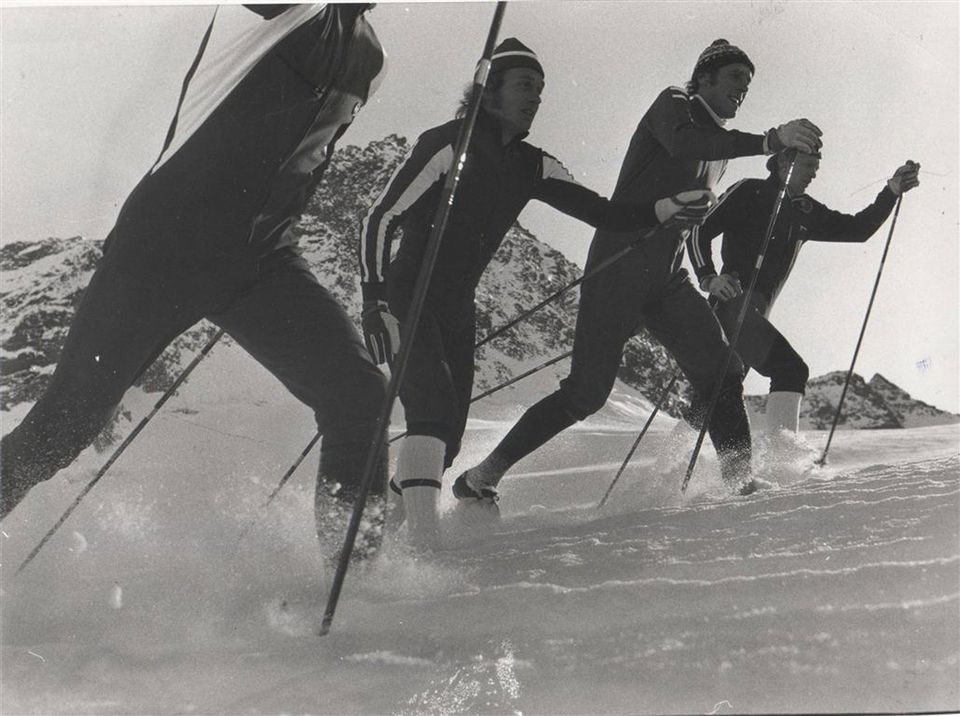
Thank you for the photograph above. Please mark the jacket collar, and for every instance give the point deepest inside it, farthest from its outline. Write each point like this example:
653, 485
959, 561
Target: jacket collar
772, 185
490, 125
718, 120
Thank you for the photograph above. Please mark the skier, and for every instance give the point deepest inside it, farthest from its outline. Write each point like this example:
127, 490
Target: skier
742, 215
207, 233
501, 174
679, 142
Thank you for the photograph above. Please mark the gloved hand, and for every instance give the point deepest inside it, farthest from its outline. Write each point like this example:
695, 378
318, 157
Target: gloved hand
800, 133
381, 331
723, 287
688, 208
905, 178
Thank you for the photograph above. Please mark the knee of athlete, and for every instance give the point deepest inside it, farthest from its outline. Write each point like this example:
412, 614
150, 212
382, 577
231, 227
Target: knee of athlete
803, 374
792, 378
359, 396
732, 382
580, 405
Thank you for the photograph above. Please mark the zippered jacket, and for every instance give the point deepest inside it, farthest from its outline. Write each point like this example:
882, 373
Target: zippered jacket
679, 144
742, 215
496, 183
256, 123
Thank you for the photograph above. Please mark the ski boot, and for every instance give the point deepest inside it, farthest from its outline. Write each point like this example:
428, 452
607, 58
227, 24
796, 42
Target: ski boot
465, 489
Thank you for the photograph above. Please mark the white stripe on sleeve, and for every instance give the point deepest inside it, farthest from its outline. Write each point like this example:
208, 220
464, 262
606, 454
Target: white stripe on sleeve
438, 165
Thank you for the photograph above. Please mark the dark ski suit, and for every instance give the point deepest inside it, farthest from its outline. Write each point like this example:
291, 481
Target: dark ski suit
206, 234
742, 215
676, 146
497, 182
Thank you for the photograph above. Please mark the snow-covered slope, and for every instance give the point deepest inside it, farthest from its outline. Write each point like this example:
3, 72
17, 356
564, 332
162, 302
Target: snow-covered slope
833, 591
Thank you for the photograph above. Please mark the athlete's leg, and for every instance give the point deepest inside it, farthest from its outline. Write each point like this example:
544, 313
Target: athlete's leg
688, 329
140, 297
297, 330
607, 318
762, 347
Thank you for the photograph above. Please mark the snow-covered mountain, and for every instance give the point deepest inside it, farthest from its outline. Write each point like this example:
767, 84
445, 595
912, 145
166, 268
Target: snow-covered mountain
42, 282
877, 404
911, 412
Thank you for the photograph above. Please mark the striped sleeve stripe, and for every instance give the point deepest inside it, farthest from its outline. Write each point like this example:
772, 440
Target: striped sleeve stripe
376, 224
696, 251
694, 244
553, 169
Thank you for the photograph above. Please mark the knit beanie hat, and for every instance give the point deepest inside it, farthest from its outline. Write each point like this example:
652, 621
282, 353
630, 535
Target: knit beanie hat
721, 53
512, 53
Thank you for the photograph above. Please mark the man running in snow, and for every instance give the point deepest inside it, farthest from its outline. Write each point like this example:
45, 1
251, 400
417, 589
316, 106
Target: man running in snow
207, 233
501, 174
680, 142
742, 216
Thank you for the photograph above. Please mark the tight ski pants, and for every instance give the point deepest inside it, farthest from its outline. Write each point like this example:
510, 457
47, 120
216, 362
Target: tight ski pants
640, 289
148, 289
762, 347
438, 381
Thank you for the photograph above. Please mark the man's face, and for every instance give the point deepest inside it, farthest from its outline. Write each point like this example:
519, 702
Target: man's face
515, 104
804, 170
725, 89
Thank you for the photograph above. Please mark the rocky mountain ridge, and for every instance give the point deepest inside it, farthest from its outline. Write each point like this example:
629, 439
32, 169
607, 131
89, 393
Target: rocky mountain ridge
874, 405
42, 282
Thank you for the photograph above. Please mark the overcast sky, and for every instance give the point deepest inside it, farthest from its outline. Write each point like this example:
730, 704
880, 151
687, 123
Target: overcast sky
87, 94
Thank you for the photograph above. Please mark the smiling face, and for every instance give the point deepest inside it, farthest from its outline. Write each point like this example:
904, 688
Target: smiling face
725, 89
516, 102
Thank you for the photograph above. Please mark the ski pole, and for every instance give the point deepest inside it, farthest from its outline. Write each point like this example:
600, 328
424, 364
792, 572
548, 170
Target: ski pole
863, 329
447, 196
643, 431
732, 340
124, 445
508, 383
714, 302
283, 481
573, 284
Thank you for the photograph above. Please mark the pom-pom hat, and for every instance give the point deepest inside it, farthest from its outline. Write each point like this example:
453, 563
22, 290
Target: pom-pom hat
718, 54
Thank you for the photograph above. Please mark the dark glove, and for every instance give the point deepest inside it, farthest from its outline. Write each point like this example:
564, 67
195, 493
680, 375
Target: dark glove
905, 178
381, 331
799, 133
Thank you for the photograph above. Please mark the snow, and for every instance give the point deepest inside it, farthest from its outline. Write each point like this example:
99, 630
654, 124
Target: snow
835, 589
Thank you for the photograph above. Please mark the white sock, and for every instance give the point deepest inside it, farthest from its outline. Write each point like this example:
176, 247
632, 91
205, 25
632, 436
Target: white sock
783, 412
419, 470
